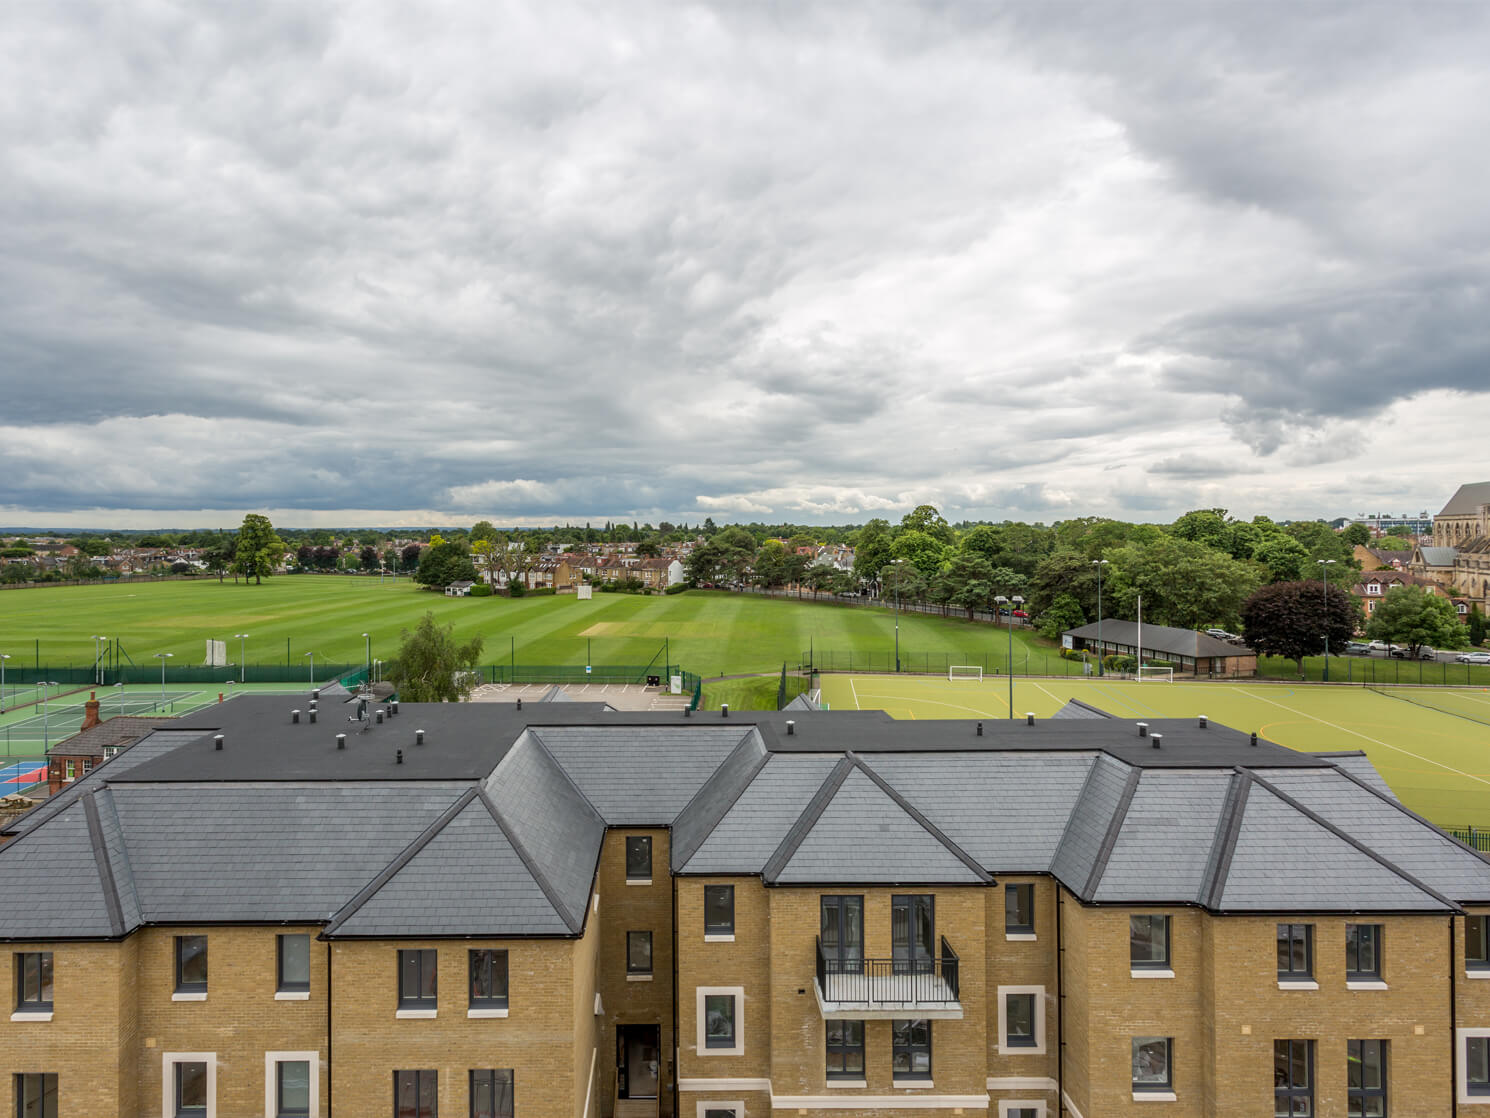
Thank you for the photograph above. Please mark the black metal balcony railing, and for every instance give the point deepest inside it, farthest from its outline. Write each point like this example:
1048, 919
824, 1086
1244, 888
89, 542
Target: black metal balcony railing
902, 982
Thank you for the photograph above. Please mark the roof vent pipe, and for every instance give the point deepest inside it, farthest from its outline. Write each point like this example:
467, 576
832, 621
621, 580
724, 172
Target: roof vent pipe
312, 714
687, 712
1158, 739
980, 729
393, 707
1202, 722
380, 717
519, 703
398, 757
418, 737
341, 741
791, 727
723, 710
316, 694
1254, 737
295, 717
217, 741
1029, 718
1143, 729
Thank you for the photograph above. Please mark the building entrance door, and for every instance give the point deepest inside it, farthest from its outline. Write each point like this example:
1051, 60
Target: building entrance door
638, 1050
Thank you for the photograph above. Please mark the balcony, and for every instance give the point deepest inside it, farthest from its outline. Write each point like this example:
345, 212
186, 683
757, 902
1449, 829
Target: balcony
875, 989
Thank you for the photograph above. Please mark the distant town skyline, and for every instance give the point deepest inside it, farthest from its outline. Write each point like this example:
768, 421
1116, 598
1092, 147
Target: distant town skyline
353, 264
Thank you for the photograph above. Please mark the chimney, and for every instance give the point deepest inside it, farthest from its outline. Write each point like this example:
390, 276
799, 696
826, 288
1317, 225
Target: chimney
1143, 729
90, 712
1158, 740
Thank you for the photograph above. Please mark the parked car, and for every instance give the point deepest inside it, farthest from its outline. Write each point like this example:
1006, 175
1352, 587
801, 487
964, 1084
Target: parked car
1020, 613
1221, 634
1473, 658
1357, 648
1378, 646
1424, 653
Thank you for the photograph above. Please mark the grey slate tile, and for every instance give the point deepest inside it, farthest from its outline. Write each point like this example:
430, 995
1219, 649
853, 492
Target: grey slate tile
1087, 825
716, 796
51, 877
1165, 842
753, 828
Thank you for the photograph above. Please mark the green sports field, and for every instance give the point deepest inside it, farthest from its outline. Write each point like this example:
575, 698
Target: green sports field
1432, 746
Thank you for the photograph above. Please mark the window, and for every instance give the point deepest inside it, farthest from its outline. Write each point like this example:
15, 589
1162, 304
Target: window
1151, 1063
1366, 1077
1019, 1020
71, 768
292, 1088
1363, 951
913, 933
1293, 1079
491, 1093
719, 910
417, 973
843, 934
1476, 1066
1148, 942
33, 981
910, 1049
638, 952
1021, 1109
488, 979
415, 1094
294, 963
719, 1021
845, 1049
1019, 910
1295, 952
727, 1110
36, 1096
1477, 942
191, 1088
191, 964
638, 857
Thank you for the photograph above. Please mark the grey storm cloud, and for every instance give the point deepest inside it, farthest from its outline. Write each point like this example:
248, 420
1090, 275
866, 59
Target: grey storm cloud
663, 260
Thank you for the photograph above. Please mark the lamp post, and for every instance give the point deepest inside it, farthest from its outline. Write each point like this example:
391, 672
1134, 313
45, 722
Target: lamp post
119, 687
1324, 569
3, 657
97, 658
1012, 603
163, 657
367, 640
897, 564
312, 656
242, 658
1099, 564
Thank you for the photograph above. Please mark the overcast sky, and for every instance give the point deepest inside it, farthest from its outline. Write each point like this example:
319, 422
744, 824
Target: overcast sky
385, 263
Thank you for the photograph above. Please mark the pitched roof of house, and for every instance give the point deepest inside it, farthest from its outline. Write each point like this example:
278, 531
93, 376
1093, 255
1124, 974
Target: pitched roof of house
119, 730
1159, 639
1437, 556
1467, 499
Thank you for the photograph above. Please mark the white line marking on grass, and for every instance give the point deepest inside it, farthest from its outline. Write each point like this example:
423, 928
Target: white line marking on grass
855, 690
1374, 741
931, 702
1054, 698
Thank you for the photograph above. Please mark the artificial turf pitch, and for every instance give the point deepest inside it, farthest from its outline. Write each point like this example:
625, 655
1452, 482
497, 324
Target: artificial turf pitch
1431, 745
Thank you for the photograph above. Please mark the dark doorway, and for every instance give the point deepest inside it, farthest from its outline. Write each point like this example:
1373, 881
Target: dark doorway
638, 1052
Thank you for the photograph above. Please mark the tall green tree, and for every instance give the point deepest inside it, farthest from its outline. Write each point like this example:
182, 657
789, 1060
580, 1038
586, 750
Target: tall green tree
1410, 615
1293, 619
872, 549
926, 518
1204, 526
1183, 583
1063, 613
1356, 535
431, 667
259, 548
1065, 572
922, 550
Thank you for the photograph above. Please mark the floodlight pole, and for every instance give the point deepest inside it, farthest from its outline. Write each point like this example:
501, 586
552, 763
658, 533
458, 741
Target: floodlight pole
367, 640
242, 658
1324, 567
46, 722
120, 688
3, 657
897, 564
163, 657
1099, 564
1002, 601
312, 655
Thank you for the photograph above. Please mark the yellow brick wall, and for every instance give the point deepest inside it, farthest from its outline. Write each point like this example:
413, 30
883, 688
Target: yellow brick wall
585, 1025
745, 963
1022, 963
636, 908
1075, 1016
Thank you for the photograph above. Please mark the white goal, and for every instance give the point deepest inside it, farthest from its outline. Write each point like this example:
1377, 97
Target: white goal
1153, 672
964, 673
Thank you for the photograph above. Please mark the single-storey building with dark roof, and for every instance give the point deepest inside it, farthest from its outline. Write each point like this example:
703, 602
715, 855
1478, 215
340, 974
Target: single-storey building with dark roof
1190, 652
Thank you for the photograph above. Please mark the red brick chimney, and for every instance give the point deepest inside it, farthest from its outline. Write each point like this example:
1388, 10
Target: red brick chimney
90, 712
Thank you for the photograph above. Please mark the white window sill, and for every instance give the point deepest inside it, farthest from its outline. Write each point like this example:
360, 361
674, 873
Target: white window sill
1365, 984
416, 1014
485, 1014
189, 996
1153, 1096
638, 978
1479, 972
31, 1015
292, 995
1020, 937
912, 1084
638, 881
848, 1083
1298, 985
720, 938
1150, 972
1021, 1050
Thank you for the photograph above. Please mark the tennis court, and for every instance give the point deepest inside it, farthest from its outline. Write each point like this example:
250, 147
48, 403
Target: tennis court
1431, 745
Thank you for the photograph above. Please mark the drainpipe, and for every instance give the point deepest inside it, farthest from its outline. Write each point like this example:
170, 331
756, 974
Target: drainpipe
329, 1097
675, 977
1060, 1004
1453, 1017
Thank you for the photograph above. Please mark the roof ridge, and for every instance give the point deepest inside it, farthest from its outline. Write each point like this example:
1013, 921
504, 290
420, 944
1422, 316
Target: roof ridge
106, 794
1223, 842
926, 824
1314, 816
1091, 776
539, 877
405, 856
681, 853
1114, 826
101, 859
1405, 810
805, 821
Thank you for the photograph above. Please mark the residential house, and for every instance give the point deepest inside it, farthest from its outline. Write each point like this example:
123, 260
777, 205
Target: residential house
1377, 558
96, 741
1371, 587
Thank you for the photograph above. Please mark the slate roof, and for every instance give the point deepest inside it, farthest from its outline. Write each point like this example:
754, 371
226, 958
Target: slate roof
1438, 556
1467, 499
1159, 639
122, 729
1075, 708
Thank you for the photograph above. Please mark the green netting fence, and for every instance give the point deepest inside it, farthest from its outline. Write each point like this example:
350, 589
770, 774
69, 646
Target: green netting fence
794, 682
1477, 838
199, 674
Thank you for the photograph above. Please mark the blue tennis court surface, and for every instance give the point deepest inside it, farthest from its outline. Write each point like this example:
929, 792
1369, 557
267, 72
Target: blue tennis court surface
22, 774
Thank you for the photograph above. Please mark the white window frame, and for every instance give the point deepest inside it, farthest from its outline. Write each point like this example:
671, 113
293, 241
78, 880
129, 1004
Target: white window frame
169, 1060
736, 1107
1005, 1049
736, 992
1009, 1106
272, 1060
1461, 1071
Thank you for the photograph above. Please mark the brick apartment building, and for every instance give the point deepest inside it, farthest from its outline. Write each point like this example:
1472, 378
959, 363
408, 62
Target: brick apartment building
566, 911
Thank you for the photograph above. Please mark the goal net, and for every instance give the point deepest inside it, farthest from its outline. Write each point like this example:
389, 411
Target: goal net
217, 654
964, 673
1152, 673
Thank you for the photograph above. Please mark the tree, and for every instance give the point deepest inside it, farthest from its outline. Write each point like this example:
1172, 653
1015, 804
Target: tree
1064, 572
1064, 613
1283, 557
219, 558
1183, 583
872, 550
769, 568
1292, 619
925, 518
1357, 535
259, 548
1410, 615
368, 556
648, 549
482, 530
902, 580
1476, 626
487, 559
1204, 526
431, 667
967, 582
921, 550
409, 557
444, 563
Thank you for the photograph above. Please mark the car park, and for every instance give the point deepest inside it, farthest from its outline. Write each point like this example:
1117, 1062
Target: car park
1473, 658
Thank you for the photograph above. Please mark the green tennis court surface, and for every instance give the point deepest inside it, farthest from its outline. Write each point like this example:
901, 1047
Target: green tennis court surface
1432, 746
